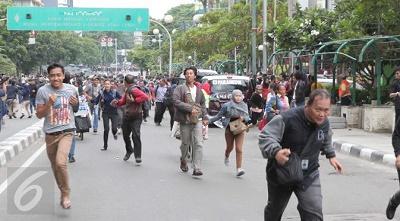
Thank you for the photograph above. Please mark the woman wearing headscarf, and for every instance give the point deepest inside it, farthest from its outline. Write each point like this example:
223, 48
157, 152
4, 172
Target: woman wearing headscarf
231, 111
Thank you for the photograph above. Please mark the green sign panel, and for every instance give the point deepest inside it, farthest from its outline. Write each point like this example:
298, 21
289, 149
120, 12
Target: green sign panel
77, 19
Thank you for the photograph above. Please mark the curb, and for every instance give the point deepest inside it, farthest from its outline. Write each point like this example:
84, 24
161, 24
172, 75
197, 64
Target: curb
365, 153
15, 144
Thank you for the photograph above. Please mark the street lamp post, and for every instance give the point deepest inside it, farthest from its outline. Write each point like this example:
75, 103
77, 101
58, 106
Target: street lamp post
156, 32
264, 61
168, 19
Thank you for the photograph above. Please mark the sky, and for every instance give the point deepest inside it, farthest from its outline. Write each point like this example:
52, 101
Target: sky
157, 8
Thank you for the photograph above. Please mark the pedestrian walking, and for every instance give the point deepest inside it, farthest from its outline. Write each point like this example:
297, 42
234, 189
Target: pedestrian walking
234, 110
277, 103
109, 112
147, 104
395, 92
160, 91
256, 105
292, 142
56, 102
25, 100
394, 201
11, 99
92, 91
191, 113
299, 90
344, 92
3, 105
132, 119
33, 90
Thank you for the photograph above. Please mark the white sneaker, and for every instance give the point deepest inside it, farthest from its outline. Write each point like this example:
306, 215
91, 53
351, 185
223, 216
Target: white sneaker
226, 161
240, 172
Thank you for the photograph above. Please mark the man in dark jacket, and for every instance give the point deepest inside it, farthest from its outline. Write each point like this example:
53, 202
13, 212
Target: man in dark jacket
395, 200
299, 90
289, 133
395, 92
132, 119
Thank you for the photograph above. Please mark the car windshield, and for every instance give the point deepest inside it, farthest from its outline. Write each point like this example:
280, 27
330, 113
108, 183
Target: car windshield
227, 85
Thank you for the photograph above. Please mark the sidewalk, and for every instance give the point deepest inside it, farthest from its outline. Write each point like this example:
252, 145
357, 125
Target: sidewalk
374, 147
15, 144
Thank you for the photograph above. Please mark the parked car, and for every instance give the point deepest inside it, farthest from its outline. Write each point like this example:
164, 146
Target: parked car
221, 89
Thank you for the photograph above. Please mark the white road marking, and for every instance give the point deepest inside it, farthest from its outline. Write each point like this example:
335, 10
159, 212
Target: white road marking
27, 163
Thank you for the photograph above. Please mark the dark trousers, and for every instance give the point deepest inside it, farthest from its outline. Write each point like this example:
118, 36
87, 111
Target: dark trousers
160, 110
255, 117
132, 127
346, 101
106, 122
310, 201
397, 115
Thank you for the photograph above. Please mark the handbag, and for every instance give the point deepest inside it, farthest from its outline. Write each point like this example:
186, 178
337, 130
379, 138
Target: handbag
237, 126
291, 173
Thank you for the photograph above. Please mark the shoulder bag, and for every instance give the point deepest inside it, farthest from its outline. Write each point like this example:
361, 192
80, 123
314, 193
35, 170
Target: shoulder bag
237, 126
292, 173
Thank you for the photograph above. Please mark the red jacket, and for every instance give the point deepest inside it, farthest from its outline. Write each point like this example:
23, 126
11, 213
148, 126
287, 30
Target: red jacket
140, 97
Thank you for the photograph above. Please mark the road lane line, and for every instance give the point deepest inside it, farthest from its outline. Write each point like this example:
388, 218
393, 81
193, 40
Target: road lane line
20, 170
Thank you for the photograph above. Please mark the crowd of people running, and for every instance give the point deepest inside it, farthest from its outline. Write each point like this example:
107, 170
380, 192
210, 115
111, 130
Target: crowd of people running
70, 105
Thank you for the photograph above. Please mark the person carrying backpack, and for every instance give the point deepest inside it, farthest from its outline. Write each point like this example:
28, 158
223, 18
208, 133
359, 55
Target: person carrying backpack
133, 116
168, 101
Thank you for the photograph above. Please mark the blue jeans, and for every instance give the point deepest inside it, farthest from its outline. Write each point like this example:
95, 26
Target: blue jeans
72, 150
95, 117
32, 104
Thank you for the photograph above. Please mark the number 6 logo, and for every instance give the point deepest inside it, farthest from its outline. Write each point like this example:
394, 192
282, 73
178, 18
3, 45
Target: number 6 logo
25, 188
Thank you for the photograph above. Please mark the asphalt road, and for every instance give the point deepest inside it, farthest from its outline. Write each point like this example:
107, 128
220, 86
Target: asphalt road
104, 187
13, 126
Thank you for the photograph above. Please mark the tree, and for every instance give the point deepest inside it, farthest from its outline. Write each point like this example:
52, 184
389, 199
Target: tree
142, 57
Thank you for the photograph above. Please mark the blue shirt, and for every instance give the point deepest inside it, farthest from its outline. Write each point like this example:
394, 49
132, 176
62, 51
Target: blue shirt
106, 98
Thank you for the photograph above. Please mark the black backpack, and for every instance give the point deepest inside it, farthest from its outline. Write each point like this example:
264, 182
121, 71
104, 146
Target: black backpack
168, 95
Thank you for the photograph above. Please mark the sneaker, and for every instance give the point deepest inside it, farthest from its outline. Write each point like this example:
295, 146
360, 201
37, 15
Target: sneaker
184, 167
103, 149
22, 116
30, 116
115, 136
240, 172
72, 160
391, 209
226, 161
197, 172
95, 131
138, 160
127, 156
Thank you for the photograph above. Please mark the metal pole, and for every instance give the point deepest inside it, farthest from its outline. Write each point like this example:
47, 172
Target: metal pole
170, 46
235, 61
116, 55
253, 37
274, 47
159, 51
264, 63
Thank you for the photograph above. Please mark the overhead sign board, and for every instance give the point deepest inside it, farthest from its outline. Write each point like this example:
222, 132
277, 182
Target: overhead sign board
77, 19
